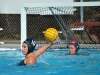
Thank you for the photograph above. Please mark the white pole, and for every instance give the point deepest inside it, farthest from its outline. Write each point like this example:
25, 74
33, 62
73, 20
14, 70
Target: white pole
81, 19
81, 13
75, 4
23, 24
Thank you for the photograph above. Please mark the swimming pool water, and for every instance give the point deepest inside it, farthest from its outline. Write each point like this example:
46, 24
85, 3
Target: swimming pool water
52, 62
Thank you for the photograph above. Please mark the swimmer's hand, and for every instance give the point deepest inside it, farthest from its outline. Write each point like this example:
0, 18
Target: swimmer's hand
54, 41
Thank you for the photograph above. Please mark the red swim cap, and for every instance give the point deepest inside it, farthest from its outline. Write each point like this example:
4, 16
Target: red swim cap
75, 43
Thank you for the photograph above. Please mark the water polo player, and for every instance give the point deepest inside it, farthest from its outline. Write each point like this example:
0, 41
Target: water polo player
28, 47
73, 47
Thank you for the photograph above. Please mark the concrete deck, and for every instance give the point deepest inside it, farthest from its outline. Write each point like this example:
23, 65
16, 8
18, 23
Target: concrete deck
11, 46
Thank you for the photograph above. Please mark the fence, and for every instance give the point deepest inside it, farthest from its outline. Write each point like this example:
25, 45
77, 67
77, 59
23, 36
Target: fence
63, 18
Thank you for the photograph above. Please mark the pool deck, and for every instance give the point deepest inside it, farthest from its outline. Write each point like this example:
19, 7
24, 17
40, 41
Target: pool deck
14, 46
10, 46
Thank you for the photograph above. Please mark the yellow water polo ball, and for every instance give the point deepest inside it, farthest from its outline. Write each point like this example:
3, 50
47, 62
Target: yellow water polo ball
51, 34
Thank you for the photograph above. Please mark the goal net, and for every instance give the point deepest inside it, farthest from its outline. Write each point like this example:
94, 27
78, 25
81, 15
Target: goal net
66, 18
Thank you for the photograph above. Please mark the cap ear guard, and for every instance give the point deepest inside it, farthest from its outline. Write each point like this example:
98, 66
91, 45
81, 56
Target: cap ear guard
33, 43
77, 45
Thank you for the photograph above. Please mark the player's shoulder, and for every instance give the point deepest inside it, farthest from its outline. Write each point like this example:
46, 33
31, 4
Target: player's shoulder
30, 60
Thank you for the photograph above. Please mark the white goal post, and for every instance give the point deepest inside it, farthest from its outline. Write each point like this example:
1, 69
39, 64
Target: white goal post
69, 4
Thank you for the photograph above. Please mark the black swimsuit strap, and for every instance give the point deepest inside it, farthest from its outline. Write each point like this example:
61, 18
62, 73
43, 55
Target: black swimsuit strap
21, 63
